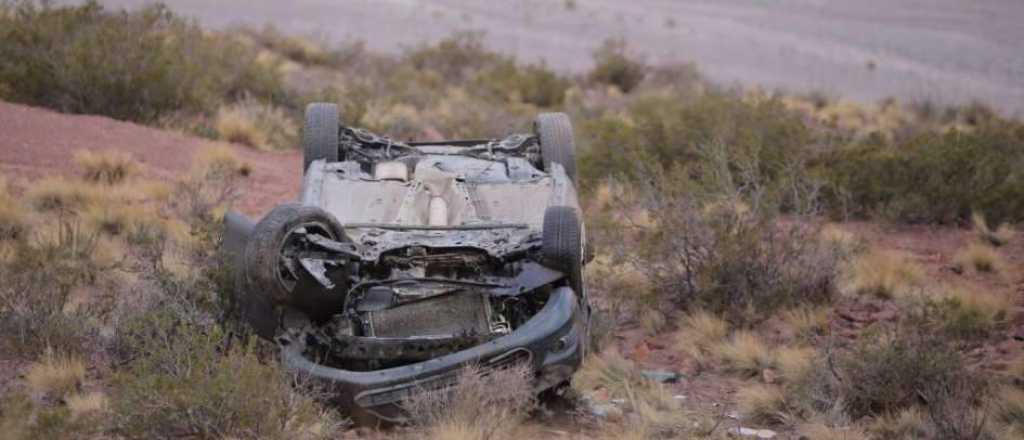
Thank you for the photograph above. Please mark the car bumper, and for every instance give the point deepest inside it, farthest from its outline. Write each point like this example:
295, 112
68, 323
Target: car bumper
553, 343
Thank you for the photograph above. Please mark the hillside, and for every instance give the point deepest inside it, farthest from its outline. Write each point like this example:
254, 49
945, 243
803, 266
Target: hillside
38, 142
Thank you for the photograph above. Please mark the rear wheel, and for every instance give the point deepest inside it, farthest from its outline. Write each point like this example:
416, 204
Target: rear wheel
562, 244
268, 281
320, 134
557, 142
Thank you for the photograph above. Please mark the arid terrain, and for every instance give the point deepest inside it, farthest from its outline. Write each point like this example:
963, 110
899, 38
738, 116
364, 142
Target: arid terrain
804, 264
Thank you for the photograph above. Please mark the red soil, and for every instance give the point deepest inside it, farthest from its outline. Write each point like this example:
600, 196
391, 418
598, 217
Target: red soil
36, 142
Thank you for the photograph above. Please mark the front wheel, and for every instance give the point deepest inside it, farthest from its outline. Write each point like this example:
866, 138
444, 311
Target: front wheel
562, 244
269, 279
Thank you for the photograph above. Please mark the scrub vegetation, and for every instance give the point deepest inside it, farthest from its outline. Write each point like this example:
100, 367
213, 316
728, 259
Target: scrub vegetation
760, 239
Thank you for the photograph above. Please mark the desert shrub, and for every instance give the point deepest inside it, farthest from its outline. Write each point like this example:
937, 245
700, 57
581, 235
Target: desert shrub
965, 314
532, 83
456, 58
255, 124
615, 65
296, 48
186, 377
716, 244
479, 406
127, 65
109, 167
669, 130
55, 375
895, 369
932, 177
35, 294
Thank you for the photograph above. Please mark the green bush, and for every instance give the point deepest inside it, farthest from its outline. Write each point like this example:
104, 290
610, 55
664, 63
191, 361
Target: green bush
933, 178
670, 130
614, 65
127, 65
187, 377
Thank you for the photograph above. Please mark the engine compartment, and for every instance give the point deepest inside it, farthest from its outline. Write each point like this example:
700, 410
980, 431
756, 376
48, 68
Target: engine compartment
417, 302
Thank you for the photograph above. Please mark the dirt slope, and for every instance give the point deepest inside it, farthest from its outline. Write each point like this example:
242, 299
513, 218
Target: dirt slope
36, 142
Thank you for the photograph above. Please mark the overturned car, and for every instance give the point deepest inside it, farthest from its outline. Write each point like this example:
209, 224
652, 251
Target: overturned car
404, 261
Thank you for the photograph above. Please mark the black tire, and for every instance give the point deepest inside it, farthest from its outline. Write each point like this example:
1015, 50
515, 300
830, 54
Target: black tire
562, 246
320, 134
264, 286
557, 142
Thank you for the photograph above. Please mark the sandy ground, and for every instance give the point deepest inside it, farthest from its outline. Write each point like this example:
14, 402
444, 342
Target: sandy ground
35, 142
943, 50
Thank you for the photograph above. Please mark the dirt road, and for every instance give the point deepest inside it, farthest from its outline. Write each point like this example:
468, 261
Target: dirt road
945, 50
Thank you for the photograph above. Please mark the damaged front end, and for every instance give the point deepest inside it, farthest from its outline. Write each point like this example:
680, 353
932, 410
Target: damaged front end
382, 312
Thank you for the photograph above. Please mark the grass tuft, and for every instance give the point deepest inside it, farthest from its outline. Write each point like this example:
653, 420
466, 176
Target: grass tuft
55, 375
883, 274
762, 404
1000, 236
981, 258
107, 167
745, 352
699, 332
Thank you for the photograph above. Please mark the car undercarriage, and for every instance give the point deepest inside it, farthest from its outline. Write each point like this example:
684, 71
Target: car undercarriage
404, 262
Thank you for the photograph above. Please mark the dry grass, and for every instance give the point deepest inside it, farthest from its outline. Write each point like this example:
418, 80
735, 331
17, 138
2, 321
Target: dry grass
56, 194
55, 375
745, 352
699, 332
1009, 410
256, 125
794, 363
762, 404
651, 409
481, 405
981, 258
997, 237
972, 312
883, 274
806, 321
87, 404
822, 431
909, 423
13, 221
107, 167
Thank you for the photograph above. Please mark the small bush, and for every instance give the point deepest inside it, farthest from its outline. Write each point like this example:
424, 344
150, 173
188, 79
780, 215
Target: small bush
108, 167
762, 404
59, 195
899, 369
699, 332
614, 65
56, 375
883, 274
966, 314
720, 247
256, 125
806, 322
979, 257
745, 353
185, 377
